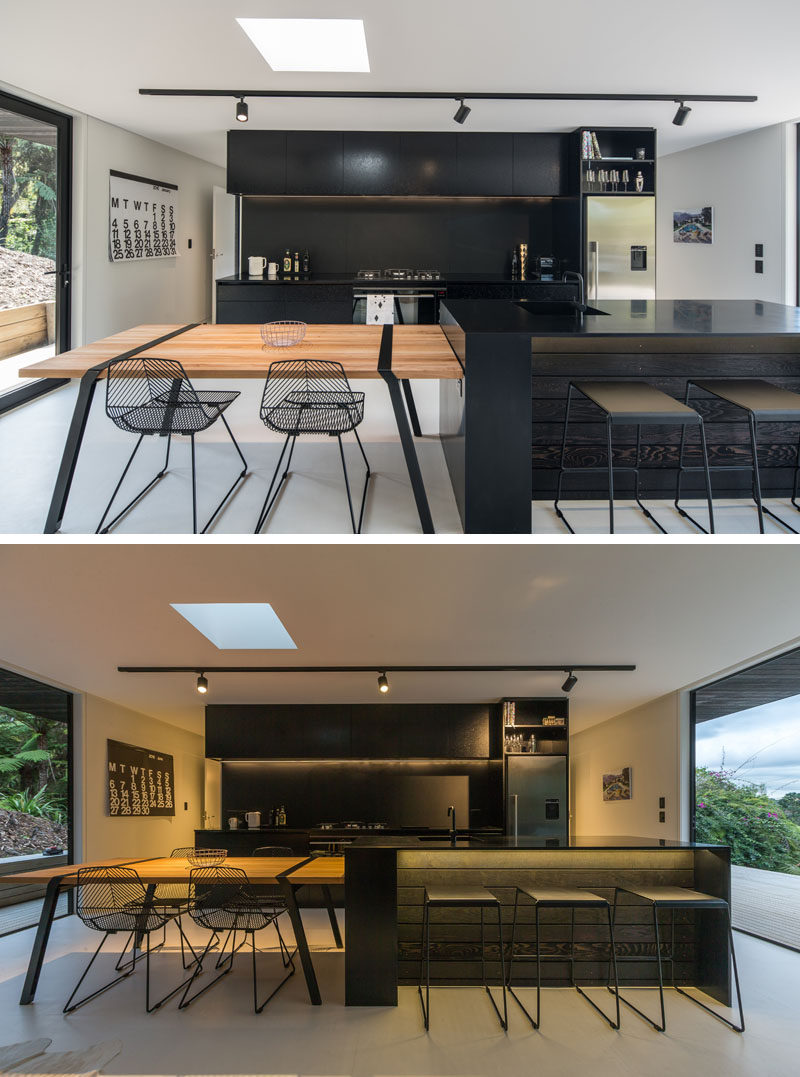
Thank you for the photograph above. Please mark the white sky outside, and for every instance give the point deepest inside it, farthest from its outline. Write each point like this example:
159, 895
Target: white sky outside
762, 744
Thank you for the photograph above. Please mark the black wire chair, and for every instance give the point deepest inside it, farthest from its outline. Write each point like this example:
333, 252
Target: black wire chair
267, 893
221, 899
176, 896
114, 900
311, 396
154, 397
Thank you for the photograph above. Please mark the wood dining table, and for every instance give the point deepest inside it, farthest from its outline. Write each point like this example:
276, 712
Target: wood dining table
395, 354
289, 873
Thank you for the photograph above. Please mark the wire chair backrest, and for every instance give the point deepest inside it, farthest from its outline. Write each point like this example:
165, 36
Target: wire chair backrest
106, 890
219, 897
181, 852
301, 381
138, 382
273, 850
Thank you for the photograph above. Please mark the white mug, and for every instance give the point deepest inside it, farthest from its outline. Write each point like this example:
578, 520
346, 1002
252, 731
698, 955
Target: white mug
272, 270
256, 266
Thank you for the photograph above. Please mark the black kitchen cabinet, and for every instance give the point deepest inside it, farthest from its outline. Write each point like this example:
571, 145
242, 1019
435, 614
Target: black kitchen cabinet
319, 312
484, 164
541, 164
257, 162
372, 161
428, 165
237, 312
314, 163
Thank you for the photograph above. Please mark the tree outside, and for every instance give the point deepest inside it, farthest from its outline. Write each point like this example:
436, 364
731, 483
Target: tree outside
762, 832
33, 783
27, 196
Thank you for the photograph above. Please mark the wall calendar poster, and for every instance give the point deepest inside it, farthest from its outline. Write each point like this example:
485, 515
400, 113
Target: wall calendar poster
142, 218
140, 782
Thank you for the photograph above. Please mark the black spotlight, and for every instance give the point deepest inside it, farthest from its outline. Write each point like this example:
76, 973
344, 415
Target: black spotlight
383, 684
202, 684
241, 110
569, 683
680, 117
462, 111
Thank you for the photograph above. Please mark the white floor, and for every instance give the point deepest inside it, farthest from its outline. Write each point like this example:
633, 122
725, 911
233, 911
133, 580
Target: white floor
219, 1034
313, 501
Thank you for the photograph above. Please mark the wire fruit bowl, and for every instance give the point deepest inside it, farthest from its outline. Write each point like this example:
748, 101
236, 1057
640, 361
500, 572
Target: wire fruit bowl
206, 858
282, 334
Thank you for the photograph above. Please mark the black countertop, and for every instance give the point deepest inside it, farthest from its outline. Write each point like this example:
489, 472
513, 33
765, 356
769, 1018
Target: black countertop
502, 842
350, 278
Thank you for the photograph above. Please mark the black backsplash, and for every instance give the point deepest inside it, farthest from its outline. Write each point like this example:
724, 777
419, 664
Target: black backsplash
316, 792
348, 234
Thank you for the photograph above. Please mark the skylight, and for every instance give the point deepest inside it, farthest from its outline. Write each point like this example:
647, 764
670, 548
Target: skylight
309, 44
237, 626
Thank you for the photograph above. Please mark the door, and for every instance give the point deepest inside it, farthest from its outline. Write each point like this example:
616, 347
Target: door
539, 783
621, 247
223, 241
35, 216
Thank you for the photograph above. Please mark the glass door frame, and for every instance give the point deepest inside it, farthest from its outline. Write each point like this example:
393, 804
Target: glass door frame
63, 124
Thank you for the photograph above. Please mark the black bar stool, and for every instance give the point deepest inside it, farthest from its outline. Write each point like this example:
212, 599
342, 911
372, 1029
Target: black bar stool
633, 403
571, 898
762, 402
460, 897
677, 897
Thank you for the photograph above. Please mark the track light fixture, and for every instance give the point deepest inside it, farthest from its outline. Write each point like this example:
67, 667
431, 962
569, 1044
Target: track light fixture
202, 684
680, 117
569, 683
383, 684
241, 110
462, 111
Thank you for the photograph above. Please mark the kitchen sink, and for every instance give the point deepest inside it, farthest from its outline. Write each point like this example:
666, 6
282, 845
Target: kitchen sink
556, 309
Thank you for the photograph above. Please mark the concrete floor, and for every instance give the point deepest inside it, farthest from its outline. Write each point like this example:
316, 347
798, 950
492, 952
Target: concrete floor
312, 502
219, 1034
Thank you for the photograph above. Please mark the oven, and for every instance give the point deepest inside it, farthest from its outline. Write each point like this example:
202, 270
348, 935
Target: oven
412, 296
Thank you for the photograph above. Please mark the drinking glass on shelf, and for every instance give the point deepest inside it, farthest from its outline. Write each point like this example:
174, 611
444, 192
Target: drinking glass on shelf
626, 178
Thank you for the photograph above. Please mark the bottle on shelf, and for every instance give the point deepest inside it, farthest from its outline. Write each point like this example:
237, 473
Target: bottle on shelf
281, 816
287, 262
306, 263
514, 265
296, 262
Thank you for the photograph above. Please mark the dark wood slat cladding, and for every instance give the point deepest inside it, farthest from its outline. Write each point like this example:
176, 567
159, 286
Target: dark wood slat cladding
776, 679
726, 428
455, 933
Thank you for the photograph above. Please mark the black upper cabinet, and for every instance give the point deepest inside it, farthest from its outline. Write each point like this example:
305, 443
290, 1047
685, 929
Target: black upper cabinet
541, 165
427, 165
485, 163
257, 162
372, 161
314, 162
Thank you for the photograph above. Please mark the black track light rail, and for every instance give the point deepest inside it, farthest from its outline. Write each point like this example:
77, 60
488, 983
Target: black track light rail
388, 668
426, 95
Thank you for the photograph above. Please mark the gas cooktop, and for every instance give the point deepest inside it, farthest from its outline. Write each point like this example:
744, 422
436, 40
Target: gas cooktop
352, 826
398, 274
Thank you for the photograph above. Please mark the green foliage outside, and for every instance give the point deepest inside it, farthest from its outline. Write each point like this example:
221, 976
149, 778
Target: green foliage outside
27, 196
33, 765
759, 830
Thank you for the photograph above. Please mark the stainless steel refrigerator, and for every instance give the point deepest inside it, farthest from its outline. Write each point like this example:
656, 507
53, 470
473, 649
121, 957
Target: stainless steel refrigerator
620, 248
536, 796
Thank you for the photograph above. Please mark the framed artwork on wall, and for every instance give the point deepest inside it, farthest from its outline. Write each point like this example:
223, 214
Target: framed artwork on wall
617, 786
693, 225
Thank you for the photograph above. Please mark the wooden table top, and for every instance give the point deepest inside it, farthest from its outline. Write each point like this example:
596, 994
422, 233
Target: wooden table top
165, 869
321, 871
236, 351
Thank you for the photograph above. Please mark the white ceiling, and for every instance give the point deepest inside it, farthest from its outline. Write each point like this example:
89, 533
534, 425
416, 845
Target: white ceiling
93, 56
681, 613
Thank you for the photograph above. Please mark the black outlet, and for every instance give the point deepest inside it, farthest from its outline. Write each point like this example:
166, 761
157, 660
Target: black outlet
759, 250
759, 266
190, 244
662, 817
662, 802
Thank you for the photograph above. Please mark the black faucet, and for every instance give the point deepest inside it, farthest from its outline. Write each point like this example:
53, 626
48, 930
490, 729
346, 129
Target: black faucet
571, 274
451, 811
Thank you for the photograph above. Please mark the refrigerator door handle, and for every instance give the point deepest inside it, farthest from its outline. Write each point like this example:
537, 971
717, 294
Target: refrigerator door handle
594, 254
513, 814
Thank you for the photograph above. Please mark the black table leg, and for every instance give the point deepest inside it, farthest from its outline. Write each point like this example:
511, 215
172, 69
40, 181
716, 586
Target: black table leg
404, 430
40, 942
289, 892
412, 407
77, 428
337, 938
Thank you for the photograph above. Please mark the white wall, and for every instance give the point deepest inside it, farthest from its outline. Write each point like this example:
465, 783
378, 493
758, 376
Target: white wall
648, 739
101, 835
750, 182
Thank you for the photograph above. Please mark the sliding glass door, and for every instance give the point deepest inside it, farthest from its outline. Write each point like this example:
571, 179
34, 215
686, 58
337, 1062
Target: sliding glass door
746, 773
35, 208
35, 791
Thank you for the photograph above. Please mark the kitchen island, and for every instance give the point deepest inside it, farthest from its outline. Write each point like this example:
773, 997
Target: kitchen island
385, 880
502, 430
